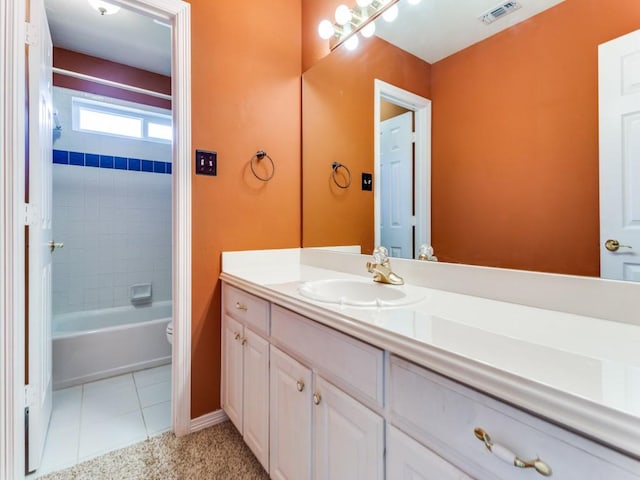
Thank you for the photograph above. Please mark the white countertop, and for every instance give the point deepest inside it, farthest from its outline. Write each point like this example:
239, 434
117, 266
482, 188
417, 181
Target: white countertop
578, 371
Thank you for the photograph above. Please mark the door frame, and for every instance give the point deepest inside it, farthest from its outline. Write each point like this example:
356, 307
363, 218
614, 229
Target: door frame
422, 181
12, 247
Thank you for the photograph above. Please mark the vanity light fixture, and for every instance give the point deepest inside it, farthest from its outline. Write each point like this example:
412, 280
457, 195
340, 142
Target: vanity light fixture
359, 19
104, 8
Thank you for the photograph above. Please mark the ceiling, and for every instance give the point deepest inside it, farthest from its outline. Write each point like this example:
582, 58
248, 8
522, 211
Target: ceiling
125, 37
434, 29
431, 30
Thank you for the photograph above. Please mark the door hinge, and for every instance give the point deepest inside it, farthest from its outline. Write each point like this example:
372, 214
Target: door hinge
31, 214
28, 395
31, 34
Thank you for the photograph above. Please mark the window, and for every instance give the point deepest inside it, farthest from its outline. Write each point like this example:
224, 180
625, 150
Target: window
117, 120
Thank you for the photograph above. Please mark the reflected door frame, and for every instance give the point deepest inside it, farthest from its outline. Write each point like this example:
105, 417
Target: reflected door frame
422, 179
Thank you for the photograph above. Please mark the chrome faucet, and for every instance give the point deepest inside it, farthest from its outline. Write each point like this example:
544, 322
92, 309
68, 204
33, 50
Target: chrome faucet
381, 269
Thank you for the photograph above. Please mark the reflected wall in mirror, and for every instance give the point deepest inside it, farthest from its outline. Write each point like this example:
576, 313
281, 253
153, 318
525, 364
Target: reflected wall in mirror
514, 140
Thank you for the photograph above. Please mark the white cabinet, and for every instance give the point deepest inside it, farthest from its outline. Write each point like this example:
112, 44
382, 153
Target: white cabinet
347, 436
245, 369
255, 410
408, 460
245, 385
290, 421
232, 370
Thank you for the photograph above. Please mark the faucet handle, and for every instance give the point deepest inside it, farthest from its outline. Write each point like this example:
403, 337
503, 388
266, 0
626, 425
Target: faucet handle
380, 255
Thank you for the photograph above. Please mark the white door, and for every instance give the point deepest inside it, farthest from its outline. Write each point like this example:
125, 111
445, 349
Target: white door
290, 418
396, 185
256, 396
619, 96
348, 440
408, 460
39, 234
232, 370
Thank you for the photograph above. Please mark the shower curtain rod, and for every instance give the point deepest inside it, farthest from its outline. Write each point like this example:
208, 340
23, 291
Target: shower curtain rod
110, 83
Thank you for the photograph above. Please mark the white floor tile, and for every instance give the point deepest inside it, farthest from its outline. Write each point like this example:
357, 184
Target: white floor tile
157, 418
117, 432
61, 449
108, 384
66, 408
151, 376
108, 404
154, 394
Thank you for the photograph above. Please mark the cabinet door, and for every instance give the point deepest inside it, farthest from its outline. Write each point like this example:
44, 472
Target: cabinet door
290, 419
232, 370
256, 396
408, 460
348, 437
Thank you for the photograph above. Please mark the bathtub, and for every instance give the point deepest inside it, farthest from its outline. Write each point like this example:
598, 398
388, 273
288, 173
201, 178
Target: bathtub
96, 344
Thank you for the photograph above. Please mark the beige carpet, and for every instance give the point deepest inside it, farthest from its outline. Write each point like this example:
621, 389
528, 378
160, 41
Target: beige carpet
216, 453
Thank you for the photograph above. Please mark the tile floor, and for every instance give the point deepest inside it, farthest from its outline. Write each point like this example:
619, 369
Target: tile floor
95, 418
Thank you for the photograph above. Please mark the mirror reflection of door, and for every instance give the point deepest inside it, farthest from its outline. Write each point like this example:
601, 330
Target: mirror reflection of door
396, 180
402, 170
619, 96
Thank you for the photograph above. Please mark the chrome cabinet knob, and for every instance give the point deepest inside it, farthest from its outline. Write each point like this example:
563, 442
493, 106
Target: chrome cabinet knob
316, 398
300, 385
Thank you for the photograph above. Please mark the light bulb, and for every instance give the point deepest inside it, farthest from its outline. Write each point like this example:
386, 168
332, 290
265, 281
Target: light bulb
325, 29
352, 43
391, 14
368, 30
364, 3
343, 15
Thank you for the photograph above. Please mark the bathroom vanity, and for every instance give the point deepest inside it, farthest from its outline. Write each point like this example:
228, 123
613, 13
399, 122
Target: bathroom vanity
436, 385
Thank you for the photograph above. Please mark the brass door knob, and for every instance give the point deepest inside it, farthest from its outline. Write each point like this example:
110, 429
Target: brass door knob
614, 245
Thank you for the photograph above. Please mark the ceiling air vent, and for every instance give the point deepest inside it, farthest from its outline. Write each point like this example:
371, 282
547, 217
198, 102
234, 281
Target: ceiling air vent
499, 11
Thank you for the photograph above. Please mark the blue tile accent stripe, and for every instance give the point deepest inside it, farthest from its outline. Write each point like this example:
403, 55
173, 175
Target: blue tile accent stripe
82, 159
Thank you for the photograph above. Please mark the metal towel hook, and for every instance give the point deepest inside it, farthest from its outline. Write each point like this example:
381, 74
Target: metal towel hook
261, 154
335, 166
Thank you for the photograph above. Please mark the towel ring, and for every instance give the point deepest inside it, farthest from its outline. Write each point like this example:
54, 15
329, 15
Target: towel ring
260, 154
335, 166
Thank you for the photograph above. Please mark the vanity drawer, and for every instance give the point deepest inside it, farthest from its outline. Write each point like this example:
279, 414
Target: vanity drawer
354, 366
442, 415
246, 308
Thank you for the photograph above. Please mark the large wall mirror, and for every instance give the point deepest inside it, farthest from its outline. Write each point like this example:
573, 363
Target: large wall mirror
514, 176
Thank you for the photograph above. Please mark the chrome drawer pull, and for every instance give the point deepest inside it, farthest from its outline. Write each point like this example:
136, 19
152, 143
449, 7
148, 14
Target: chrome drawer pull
241, 306
300, 385
508, 456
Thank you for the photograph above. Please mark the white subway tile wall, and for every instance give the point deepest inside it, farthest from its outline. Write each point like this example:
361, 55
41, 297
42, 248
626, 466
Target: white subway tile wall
116, 229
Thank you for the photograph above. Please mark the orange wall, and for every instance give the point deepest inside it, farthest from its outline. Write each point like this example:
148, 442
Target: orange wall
116, 72
246, 97
515, 142
337, 125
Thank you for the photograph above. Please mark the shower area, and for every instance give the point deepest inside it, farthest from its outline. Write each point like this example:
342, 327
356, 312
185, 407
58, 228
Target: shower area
112, 211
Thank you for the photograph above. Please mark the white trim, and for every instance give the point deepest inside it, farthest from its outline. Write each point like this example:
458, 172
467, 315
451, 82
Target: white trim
178, 13
422, 108
12, 143
208, 420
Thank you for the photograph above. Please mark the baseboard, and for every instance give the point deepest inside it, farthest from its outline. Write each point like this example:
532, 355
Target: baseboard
208, 420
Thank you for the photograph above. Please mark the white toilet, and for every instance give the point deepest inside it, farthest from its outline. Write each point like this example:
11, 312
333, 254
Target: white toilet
169, 332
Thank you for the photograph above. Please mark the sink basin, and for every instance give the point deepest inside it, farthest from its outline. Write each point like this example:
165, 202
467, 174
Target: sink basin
358, 293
